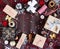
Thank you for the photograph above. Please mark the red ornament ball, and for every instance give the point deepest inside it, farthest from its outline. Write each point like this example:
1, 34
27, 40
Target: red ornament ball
5, 23
41, 2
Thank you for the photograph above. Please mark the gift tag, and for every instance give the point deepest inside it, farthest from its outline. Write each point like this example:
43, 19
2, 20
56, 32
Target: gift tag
39, 41
42, 9
10, 11
21, 40
52, 24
